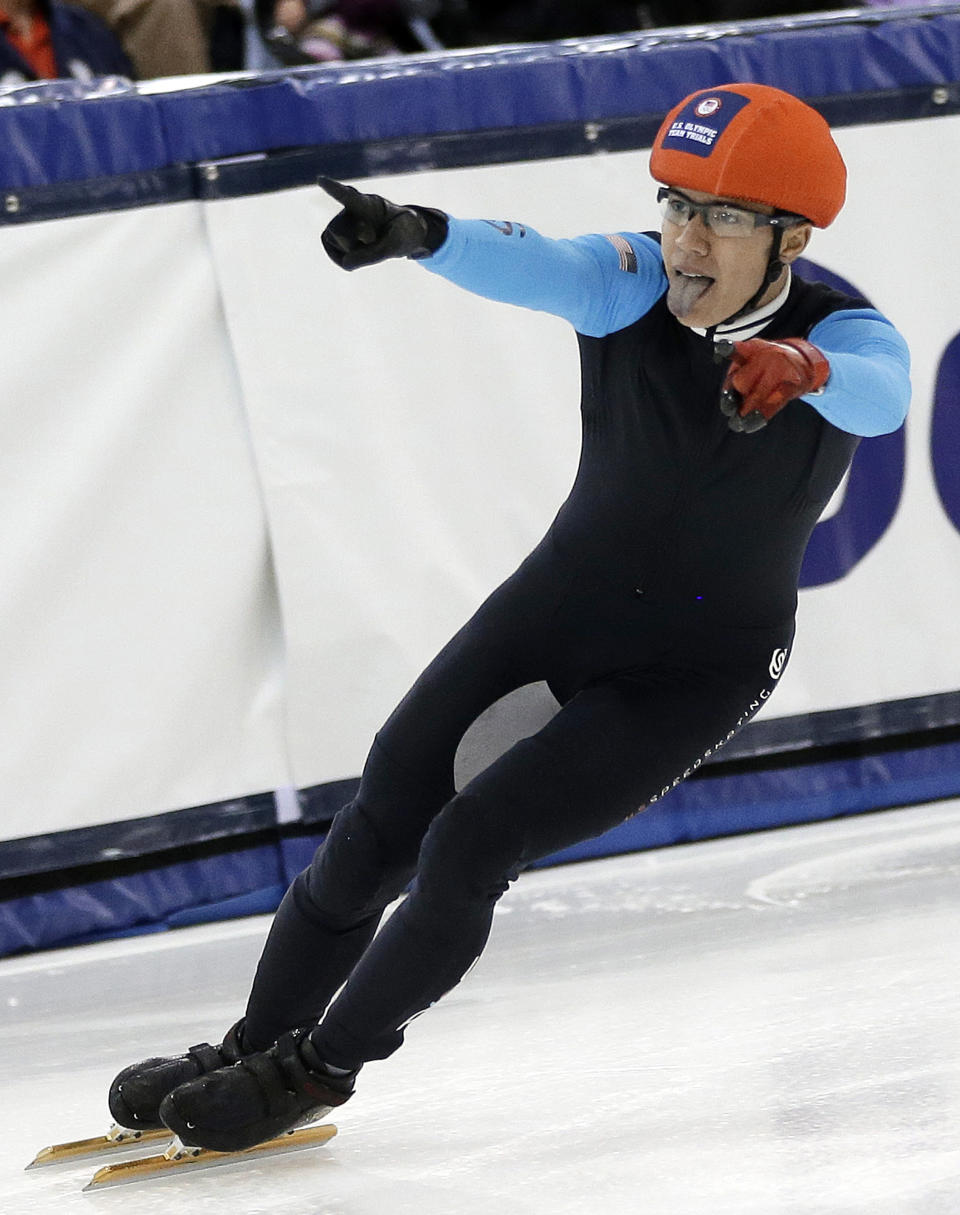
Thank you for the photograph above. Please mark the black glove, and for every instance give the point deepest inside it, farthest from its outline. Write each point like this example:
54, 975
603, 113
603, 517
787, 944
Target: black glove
370, 229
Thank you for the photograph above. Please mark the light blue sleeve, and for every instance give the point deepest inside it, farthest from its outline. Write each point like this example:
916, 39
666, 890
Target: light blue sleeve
868, 392
598, 283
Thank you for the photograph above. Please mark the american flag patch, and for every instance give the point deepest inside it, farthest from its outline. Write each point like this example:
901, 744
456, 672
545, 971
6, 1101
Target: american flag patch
628, 259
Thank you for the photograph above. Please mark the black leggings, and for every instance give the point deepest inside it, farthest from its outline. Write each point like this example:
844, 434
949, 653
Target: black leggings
646, 692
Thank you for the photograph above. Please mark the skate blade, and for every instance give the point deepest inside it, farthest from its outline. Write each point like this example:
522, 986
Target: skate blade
180, 1159
117, 1139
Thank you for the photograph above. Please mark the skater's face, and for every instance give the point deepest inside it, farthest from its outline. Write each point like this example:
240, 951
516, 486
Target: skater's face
715, 261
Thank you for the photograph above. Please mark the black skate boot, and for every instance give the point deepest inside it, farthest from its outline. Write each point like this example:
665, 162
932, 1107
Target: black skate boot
259, 1098
136, 1093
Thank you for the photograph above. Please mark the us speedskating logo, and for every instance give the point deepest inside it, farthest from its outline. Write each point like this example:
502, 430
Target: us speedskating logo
777, 663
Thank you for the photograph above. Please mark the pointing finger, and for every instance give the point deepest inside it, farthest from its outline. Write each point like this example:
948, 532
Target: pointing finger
345, 195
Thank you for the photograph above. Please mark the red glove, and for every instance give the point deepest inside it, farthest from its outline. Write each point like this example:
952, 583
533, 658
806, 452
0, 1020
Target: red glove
763, 376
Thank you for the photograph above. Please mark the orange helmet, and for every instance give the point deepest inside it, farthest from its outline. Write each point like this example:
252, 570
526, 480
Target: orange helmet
756, 143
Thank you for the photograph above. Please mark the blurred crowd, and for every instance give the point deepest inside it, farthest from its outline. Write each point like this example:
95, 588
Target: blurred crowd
143, 39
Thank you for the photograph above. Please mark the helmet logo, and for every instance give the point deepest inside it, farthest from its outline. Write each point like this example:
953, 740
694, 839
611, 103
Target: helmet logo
701, 122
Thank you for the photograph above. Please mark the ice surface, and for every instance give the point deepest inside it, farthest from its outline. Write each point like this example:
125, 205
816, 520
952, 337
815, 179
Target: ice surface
763, 1025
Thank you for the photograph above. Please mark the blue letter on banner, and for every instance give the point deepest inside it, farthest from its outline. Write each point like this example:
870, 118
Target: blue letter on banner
873, 488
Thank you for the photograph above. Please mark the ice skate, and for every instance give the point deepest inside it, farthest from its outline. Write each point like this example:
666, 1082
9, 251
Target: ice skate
261, 1097
136, 1093
178, 1158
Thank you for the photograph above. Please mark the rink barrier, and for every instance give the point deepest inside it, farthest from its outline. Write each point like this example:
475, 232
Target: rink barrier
826, 776
163, 893
905, 727
389, 116
265, 172
68, 150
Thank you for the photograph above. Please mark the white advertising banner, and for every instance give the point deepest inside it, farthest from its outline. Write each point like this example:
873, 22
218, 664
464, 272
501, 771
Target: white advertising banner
140, 653
246, 496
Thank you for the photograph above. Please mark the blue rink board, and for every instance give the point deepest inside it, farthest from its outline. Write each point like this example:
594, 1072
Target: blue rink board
856, 66
251, 879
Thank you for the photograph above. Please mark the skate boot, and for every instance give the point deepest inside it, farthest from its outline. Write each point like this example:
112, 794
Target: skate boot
136, 1093
257, 1099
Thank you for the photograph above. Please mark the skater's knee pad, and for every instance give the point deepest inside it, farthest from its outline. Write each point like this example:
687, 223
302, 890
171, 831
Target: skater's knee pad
468, 854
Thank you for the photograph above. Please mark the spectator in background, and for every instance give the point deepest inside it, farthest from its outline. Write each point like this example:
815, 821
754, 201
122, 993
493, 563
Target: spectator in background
175, 37
47, 40
311, 31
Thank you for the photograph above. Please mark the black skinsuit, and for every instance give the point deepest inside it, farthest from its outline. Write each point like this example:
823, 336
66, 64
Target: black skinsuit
659, 608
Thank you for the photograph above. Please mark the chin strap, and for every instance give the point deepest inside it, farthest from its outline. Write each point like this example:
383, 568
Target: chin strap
770, 275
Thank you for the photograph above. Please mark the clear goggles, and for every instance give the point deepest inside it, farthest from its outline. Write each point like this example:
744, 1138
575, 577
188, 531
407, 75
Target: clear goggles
723, 219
